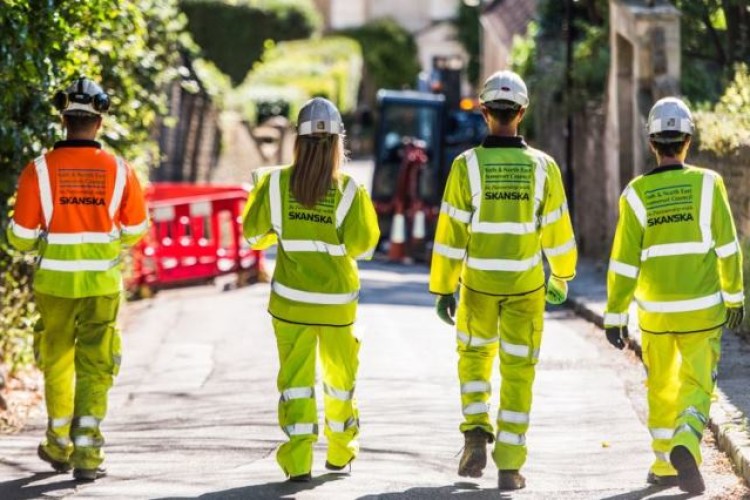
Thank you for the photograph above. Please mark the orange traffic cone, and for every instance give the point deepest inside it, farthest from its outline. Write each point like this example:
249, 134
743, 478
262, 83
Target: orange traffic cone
397, 249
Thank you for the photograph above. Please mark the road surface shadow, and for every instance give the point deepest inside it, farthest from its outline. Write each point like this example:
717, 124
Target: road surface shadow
281, 489
461, 489
23, 489
648, 491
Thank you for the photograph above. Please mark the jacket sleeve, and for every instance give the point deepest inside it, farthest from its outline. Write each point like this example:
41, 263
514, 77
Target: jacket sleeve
256, 219
133, 214
558, 240
359, 231
624, 265
452, 233
727, 247
28, 218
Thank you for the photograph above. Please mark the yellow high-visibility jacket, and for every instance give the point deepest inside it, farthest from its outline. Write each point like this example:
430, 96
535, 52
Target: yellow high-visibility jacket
676, 251
316, 281
504, 204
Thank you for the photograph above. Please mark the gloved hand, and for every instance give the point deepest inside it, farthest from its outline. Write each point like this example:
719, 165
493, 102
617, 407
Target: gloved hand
617, 336
735, 315
557, 290
445, 305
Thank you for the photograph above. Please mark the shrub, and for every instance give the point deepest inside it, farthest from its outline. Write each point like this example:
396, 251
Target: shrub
727, 127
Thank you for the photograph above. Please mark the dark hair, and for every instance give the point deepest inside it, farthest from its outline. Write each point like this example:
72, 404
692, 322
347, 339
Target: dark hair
503, 115
77, 124
670, 148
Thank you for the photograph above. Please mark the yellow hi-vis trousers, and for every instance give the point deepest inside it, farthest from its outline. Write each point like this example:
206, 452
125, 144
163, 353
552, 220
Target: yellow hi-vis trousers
298, 417
77, 347
512, 326
681, 380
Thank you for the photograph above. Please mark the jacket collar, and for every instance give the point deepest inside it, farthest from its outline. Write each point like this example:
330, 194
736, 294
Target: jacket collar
665, 168
78, 143
495, 141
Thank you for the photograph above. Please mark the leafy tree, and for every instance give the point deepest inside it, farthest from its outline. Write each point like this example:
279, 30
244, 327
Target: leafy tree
469, 32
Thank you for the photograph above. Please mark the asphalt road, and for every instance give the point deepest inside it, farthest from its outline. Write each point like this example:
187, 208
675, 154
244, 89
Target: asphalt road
193, 414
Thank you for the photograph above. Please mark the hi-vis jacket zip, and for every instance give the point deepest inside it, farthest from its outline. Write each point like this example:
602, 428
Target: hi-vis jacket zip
77, 205
316, 280
503, 207
675, 251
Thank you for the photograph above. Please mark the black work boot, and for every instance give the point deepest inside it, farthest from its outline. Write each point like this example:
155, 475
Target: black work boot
510, 480
89, 474
56, 464
689, 478
474, 459
663, 481
344, 469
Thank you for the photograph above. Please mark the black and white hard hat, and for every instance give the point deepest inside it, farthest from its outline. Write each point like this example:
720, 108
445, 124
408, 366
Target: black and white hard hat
669, 120
319, 116
84, 97
504, 89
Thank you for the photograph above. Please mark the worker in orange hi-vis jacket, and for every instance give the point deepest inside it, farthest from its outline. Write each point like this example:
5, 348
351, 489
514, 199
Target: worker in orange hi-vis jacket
77, 206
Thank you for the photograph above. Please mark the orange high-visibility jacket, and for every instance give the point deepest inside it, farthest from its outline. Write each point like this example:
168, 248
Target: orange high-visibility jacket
77, 205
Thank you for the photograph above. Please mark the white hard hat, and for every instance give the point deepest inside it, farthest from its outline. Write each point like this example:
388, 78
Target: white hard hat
670, 115
84, 97
319, 116
504, 86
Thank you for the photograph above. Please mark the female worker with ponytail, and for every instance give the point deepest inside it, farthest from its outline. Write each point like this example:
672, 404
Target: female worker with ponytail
323, 222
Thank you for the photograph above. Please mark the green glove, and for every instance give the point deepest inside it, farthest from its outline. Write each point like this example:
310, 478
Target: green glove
557, 290
735, 315
445, 305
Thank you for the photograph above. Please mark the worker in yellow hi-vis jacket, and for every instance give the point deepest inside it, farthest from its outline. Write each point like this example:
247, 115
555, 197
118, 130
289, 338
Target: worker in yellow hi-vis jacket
323, 222
676, 252
504, 204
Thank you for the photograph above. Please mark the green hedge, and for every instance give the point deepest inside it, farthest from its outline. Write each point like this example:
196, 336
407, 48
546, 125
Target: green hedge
130, 47
292, 72
232, 33
726, 128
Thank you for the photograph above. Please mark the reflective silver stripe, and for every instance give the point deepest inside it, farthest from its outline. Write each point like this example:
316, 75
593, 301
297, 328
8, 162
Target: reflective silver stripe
475, 181
503, 227
733, 297
624, 269
511, 438
121, 178
540, 179
274, 193
615, 319
86, 441
681, 305
63, 441
503, 264
78, 265
346, 202
339, 394
707, 206
23, 232
313, 297
56, 423
669, 249
476, 386
476, 408
636, 205
514, 417
313, 246
727, 250
561, 249
693, 412
81, 238
661, 456
297, 393
366, 255
337, 426
661, 433
86, 422
450, 252
688, 428
473, 340
45, 189
300, 429
514, 349
255, 239
555, 215
137, 228
458, 214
